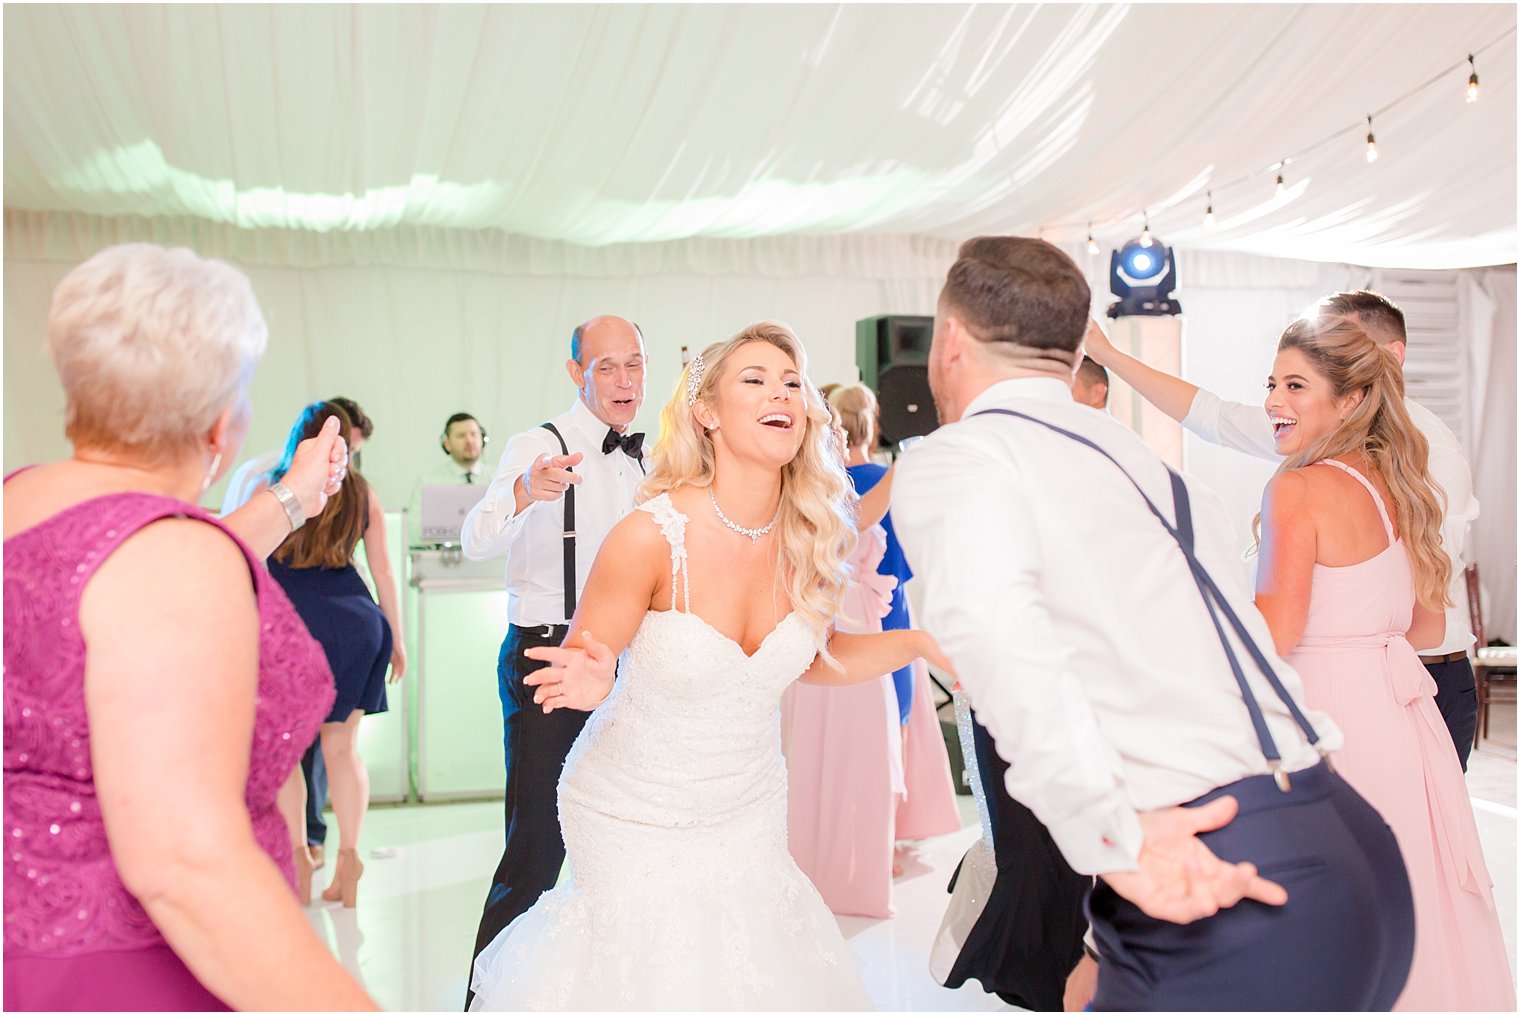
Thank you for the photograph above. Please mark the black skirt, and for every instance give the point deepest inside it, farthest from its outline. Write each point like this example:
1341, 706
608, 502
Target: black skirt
1029, 936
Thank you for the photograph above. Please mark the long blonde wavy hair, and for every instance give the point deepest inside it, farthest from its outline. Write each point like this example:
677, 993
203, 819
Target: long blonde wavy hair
1379, 428
816, 530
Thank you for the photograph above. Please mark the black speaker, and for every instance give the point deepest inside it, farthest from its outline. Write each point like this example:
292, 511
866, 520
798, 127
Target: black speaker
893, 355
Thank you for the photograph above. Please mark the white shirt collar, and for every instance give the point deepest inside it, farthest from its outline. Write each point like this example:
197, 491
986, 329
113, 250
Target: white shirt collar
1046, 389
587, 422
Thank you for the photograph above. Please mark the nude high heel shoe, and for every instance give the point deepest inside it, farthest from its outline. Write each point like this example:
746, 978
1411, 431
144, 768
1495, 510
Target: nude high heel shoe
345, 882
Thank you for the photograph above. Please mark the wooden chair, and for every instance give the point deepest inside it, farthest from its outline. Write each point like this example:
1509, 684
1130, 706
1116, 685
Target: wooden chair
1493, 664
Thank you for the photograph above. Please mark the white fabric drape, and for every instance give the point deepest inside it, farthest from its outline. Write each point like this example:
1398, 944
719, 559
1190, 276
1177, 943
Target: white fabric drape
1489, 328
646, 123
489, 336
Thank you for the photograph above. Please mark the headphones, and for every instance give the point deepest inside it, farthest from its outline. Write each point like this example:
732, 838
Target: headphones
463, 417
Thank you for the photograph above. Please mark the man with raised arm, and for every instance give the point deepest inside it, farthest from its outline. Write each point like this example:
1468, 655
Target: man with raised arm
558, 491
1247, 428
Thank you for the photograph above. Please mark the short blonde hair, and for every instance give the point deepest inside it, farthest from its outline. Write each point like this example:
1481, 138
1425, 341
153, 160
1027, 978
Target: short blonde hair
857, 408
151, 346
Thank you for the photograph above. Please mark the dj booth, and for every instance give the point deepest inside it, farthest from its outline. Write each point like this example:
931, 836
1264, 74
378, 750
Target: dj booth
441, 738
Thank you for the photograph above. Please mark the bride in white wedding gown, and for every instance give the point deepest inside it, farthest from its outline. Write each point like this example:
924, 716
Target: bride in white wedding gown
722, 586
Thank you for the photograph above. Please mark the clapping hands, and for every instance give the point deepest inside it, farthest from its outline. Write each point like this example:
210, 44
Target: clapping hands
579, 678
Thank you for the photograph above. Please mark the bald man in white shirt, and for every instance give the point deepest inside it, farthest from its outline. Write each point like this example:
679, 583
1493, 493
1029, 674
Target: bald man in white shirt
1094, 607
1246, 428
560, 488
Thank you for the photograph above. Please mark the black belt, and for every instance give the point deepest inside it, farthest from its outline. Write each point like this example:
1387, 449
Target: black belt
1449, 657
555, 631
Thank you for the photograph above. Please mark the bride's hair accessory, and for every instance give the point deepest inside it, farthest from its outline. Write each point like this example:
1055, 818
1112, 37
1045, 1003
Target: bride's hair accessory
694, 378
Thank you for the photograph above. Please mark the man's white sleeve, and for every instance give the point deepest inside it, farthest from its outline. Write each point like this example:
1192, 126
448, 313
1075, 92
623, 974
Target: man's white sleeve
494, 524
971, 539
1233, 425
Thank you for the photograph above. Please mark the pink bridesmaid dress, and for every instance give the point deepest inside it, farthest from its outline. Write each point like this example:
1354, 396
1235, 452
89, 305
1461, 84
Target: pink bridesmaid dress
1357, 666
843, 751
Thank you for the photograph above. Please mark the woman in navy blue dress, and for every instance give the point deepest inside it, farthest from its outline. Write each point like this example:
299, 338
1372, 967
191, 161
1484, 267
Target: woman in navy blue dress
315, 567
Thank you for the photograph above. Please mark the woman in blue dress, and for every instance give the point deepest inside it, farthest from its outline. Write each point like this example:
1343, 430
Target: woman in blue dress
315, 567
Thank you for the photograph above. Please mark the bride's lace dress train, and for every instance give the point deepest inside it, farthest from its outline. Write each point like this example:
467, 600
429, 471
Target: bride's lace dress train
681, 893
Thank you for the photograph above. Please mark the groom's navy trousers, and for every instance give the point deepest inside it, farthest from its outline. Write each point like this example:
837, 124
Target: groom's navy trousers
536, 745
1343, 941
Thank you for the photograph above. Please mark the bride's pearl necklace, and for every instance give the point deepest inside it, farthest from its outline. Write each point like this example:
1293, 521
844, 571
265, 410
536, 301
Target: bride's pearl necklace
753, 534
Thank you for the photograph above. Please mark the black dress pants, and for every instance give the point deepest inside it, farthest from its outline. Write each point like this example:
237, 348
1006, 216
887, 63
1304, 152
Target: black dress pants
536, 745
1343, 941
1457, 698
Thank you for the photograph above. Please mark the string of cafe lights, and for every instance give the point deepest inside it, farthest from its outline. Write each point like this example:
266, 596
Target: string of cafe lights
1471, 94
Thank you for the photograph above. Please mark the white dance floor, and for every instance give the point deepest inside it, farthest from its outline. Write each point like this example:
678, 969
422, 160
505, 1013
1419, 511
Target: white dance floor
428, 866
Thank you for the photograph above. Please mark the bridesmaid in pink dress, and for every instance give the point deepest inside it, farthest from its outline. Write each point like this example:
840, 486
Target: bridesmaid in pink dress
159, 688
843, 747
1352, 588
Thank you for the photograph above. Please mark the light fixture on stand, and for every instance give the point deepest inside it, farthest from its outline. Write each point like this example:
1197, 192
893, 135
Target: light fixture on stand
1143, 274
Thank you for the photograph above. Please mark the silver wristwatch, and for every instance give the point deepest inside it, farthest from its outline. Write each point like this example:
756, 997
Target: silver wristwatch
293, 509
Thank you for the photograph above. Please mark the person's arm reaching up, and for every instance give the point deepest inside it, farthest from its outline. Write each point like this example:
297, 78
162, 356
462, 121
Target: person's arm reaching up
1234, 425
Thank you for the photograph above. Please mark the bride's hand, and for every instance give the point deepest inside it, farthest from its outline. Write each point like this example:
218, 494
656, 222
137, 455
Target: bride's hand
933, 654
579, 678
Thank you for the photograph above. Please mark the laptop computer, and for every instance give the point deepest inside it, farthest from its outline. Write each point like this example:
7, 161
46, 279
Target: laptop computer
444, 507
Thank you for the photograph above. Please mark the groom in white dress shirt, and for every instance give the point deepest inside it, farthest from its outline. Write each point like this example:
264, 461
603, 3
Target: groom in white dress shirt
1074, 620
559, 490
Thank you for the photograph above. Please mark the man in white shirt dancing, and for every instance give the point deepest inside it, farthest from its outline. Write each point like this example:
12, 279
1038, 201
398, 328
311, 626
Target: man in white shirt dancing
1246, 428
1094, 607
560, 488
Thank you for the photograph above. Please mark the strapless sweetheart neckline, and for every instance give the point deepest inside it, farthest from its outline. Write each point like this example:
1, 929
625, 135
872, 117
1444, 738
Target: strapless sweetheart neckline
725, 638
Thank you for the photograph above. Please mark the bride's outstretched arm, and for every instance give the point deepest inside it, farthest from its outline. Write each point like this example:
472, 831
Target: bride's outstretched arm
865, 656
618, 592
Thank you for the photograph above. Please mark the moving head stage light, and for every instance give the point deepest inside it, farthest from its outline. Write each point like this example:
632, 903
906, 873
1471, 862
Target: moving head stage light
1143, 273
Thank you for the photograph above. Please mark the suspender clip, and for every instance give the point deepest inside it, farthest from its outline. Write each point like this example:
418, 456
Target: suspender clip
1325, 756
1279, 776
570, 534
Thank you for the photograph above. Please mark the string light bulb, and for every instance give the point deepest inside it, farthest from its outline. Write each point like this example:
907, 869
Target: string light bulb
1371, 142
1472, 80
1145, 233
1281, 187
1208, 214
1092, 244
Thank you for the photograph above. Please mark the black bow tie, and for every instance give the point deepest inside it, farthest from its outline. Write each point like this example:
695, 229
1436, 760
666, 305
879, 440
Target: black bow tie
632, 444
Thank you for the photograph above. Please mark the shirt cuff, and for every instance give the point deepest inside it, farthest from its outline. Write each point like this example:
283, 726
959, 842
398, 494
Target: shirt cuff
1098, 843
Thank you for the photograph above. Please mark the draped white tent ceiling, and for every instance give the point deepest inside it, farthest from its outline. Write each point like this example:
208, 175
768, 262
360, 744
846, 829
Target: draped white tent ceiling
634, 123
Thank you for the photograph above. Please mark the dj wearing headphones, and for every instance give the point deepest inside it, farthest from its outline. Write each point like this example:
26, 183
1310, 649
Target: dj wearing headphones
464, 442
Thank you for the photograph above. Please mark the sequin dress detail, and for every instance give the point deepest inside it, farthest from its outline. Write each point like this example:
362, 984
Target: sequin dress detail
75, 937
681, 894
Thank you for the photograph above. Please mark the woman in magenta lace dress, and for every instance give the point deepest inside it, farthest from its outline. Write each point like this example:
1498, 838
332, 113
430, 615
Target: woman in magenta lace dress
159, 689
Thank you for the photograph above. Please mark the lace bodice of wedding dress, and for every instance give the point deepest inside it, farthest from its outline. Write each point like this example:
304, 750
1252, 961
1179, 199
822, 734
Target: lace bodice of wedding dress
681, 894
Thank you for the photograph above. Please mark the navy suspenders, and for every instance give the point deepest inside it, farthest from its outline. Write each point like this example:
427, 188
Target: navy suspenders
1213, 600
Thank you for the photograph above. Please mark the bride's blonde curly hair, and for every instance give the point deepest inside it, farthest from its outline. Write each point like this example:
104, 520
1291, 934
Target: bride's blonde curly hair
816, 530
